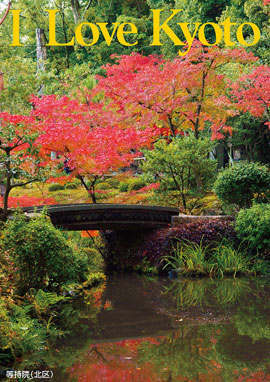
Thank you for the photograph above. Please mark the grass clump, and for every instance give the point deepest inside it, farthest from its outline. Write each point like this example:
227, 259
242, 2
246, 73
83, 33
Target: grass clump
230, 261
194, 259
188, 258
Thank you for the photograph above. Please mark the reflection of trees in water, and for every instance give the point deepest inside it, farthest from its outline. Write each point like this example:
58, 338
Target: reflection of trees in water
212, 293
188, 352
241, 353
254, 321
213, 350
208, 349
228, 350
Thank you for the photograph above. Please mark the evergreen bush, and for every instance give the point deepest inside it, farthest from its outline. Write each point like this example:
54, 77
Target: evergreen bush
253, 226
104, 186
239, 185
42, 256
56, 187
136, 184
123, 187
114, 183
71, 186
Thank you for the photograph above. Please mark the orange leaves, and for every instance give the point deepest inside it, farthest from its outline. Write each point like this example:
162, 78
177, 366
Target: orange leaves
89, 233
252, 92
186, 93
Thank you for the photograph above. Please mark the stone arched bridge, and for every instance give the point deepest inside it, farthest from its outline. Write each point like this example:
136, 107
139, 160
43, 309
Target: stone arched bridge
77, 217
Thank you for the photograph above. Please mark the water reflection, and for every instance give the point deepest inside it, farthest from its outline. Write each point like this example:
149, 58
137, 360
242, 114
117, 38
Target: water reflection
138, 329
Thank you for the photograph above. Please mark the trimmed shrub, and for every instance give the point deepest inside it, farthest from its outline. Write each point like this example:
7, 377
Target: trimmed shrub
253, 226
136, 184
123, 187
239, 185
114, 183
77, 181
103, 186
42, 256
56, 187
71, 186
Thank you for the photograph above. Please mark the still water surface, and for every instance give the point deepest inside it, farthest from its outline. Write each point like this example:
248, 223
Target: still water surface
140, 329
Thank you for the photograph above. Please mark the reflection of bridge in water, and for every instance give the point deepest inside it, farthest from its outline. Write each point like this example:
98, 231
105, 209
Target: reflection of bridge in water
75, 217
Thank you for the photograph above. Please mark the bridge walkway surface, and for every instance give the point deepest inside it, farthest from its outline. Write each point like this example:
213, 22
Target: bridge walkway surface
77, 217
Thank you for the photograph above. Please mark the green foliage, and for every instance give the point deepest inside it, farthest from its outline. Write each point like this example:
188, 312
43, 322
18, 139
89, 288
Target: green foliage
228, 260
242, 11
253, 321
123, 187
104, 186
42, 256
114, 183
253, 226
56, 187
70, 186
239, 185
136, 184
185, 161
146, 267
251, 136
189, 258
27, 327
194, 259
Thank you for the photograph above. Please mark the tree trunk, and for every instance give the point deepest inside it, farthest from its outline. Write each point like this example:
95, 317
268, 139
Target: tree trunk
41, 54
8, 186
75, 6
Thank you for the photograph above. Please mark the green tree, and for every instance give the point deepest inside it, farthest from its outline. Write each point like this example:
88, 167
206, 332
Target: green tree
185, 162
19, 157
242, 11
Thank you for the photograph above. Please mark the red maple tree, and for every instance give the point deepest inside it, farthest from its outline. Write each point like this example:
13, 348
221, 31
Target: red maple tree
182, 94
86, 138
252, 92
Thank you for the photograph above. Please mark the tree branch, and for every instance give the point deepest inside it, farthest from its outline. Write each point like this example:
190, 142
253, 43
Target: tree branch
5, 15
24, 183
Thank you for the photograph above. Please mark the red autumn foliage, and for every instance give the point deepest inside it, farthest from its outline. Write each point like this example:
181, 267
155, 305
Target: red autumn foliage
252, 92
152, 186
27, 201
86, 137
186, 93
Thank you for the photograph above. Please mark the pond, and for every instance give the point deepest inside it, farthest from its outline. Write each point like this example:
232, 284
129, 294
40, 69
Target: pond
144, 329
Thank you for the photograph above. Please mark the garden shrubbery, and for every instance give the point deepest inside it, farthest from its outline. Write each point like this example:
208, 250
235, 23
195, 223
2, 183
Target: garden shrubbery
37, 263
253, 227
42, 257
71, 186
152, 246
206, 232
123, 187
136, 184
103, 186
183, 165
113, 182
56, 187
239, 185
